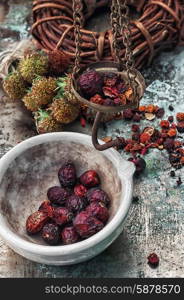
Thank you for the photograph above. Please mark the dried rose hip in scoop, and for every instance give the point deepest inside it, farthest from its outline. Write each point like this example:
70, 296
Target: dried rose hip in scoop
69, 235
80, 190
90, 179
57, 195
75, 204
67, 174
86, 225
62, 215
36, 221
98, 195
46, 208
50, 234
98, 210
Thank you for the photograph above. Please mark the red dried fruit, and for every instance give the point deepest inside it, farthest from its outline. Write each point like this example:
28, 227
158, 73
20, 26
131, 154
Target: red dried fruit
46, 208
150, 108
108, 102
98, 195
142, 108
86, 225
174, 159
172, 132
140, 165
98, 210
58, 195
90, 178
69, 235
50, 234
62, 215
170, 119
153, 260
111, 92
173, 125
135, 128
128, 147
136, 137
110, 79
90, 83
145, 138
75, 204
117, 101
36, 221
128, 114
169, 144
67, 174
80, 190
160, 113
164, 124
180, 127
97, 99
136, 117
121, 87
180, 117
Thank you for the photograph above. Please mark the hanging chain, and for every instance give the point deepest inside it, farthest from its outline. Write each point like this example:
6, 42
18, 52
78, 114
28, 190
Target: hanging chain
116, 30
78, 21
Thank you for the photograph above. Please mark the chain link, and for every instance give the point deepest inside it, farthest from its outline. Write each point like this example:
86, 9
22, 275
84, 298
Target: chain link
78, 21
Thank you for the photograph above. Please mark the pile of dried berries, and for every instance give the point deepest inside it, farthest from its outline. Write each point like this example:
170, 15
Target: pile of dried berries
74, 211
106, 89
166, 137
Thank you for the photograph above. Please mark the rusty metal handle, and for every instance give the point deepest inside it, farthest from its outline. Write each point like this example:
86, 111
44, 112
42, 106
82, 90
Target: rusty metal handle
102, 147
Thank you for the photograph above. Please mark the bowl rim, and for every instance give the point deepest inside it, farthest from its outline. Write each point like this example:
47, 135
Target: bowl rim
18, 242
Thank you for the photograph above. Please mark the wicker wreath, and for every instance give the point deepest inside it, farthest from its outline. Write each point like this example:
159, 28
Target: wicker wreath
161, 26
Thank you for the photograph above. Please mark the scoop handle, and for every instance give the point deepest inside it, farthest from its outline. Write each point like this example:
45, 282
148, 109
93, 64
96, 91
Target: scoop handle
101, 147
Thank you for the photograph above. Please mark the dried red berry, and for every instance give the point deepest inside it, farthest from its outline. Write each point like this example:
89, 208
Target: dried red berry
135, 128
160, 113
169, 144
75, 204
58, 195
46, 208
128, 114
170, 119
121, 87
108, 102
90, 83
140, 165
86, 225
164, 124
62, 215
136, 137
50, 234
98, 195
111, 92
80, 190
36, 221
90, 178
153, 260
172, 132
180, 127
117, 101
145, 138
69, 235
97, 99
67, 174
110, 79
136, 117
98, 210
180, 117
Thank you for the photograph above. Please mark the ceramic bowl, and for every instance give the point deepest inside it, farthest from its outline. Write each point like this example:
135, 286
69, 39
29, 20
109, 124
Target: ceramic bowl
30, 168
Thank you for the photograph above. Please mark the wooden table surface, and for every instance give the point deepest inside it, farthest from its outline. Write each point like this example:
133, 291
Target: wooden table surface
156, 222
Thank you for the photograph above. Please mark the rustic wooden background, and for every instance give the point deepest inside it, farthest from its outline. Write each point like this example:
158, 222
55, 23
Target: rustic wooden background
156, 221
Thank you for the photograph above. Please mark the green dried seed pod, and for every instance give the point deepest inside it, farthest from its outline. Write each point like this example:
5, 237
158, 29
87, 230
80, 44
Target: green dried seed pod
35, 64
14, 86
63, 111
45, 123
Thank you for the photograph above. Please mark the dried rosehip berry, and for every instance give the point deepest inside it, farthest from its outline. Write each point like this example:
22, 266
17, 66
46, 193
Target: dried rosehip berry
36, 221
150, 108
136, 117
90, 178
128, 114
135, 128
180, 127
46, 208
62, 215
57, 195
67, 174
136, 137
169, 144
98, 195
80, 190
170, 119
142, 108
99, 211
117, 101
164, 124
75, 204
153, 260
97, 99
140, 165
110, 79
50, 234
145, 138
108, 102
121, 87
69, 235
86, 225
90, 83
110, 92
172, 132
160, 113
180, 117
174, 159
